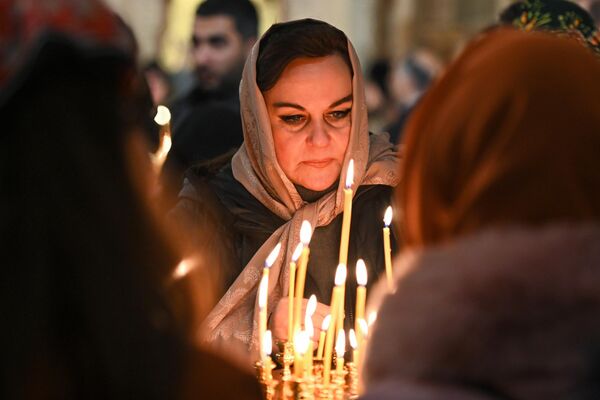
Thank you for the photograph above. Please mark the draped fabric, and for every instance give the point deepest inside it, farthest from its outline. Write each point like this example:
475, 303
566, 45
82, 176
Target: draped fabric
255, 166
509, 135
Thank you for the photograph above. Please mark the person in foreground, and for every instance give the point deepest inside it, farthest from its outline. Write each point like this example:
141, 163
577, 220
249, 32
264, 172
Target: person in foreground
86, 265
304, 118
497, 294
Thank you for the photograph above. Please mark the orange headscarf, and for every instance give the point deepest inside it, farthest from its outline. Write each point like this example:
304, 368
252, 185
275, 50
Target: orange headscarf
510, 135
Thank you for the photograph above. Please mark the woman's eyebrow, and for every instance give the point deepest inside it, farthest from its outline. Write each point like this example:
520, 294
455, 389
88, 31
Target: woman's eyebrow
284, 104
341, 101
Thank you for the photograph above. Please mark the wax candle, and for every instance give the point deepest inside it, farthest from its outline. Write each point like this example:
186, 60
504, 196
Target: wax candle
266, 351
347, 217
354, 344
263, 288
361, 294
292, 283
387, 250
324, 328
311, 307
340, 349
300, 348
305, 235
162, 118
340, 281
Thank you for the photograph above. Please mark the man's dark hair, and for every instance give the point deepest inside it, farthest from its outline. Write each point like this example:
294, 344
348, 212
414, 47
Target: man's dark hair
286, 41
242, 11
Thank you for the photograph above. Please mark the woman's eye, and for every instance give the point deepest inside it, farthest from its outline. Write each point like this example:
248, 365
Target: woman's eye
292, 119
338, 118
339, 114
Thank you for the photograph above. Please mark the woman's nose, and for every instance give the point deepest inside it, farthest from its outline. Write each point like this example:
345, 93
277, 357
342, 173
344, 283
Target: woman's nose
319, 136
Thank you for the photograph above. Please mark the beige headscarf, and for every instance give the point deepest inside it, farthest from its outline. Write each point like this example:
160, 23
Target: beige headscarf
255, 166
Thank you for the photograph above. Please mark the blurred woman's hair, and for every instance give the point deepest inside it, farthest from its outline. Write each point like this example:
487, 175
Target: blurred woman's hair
284, 42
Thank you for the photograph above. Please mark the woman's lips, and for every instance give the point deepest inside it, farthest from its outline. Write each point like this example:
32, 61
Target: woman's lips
318, 163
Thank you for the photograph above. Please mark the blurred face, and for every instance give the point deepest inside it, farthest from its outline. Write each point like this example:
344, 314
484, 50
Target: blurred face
219, 51
310, 113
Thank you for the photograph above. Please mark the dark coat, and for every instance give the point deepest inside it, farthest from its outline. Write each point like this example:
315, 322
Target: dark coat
237, 224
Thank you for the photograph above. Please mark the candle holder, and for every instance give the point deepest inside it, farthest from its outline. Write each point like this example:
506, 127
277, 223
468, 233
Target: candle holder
324, 392
287, 359
339, 384
352, 381
303, 390
266, 380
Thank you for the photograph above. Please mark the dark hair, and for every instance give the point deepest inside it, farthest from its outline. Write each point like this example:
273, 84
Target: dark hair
286, 41
242, 12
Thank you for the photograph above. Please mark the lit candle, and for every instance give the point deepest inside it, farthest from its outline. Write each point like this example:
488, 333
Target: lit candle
305, 235
343, 258
311, 307
295, 257
340, 281
324, 328
340, 349
262, 313
266, 352
372, 318
361, 294
162, 118
300, 347
182, 269
354, 344
387, 250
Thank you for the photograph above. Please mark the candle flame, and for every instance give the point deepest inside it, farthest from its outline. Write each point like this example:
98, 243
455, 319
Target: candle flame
182, 269
340, 275
297, 252
305, 232
372, 317
364, 328
267, 343
350, 174
326, 322
262, 292
311, 307
387, 219
301, 342
361, 272
352, 339
272, 256
340, 343
163, 115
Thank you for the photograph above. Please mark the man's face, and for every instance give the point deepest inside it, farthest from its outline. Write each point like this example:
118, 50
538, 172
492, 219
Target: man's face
219, 51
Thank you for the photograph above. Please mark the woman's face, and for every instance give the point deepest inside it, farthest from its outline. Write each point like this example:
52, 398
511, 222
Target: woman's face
310, 112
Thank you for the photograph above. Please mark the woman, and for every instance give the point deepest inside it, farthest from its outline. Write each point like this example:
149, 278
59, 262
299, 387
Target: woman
497, 294
304, 118
86, 264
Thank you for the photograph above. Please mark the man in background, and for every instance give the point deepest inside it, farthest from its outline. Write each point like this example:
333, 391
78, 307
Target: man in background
206, 120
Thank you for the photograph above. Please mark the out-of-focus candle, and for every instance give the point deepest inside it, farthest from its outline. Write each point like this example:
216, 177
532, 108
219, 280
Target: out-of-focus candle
263, 288
162, 118
300, 347
387, 249
266, 351
340, 349
305, 235
346, 221
324, 328
372, 318
361, 294
311, 307
354, 345
340, 281
292, 283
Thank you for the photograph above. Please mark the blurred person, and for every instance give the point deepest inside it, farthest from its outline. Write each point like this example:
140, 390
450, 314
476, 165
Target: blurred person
206, 120
496, 292
304, 118
88, 266
377, 95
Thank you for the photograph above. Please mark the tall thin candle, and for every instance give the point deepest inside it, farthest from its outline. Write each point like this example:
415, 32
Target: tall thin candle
340, 281
340, 349
305, 235
322, 335
387, 250
361, 295
292, 283
310, 330
262, 311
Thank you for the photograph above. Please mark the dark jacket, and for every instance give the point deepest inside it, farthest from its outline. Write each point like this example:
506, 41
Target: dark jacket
237, 224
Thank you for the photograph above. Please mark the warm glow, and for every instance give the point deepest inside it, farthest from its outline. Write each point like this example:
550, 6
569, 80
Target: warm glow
267, 343
364, 327
183, 268
340, 343
163, 150
163, 115
272, 256
352, 339
372, 317
311, 307
350, 174
387, 219
361, 272
326, 322
297, 252
262, 292
340, 275
305, 232
301, 342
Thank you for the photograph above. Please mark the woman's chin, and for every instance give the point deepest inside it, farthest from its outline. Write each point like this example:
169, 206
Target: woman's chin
316, 184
